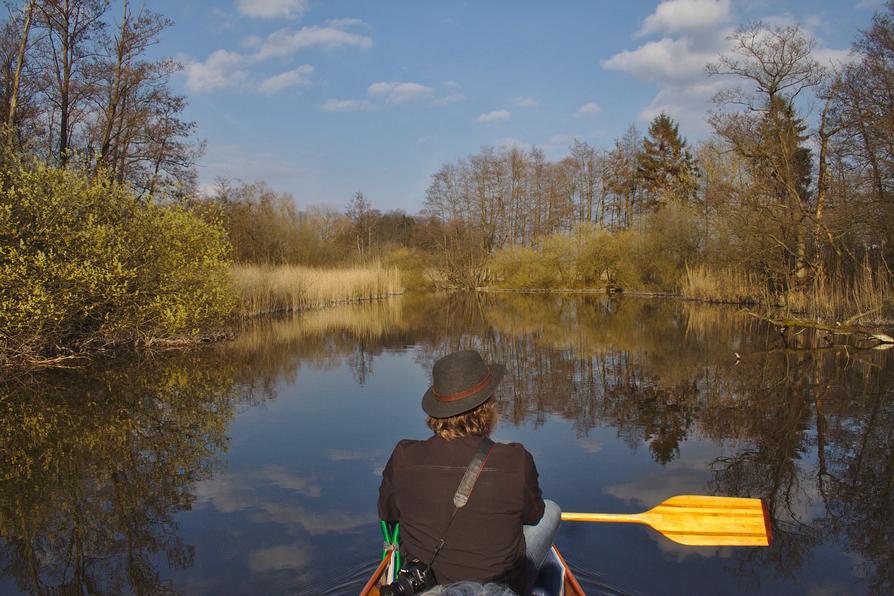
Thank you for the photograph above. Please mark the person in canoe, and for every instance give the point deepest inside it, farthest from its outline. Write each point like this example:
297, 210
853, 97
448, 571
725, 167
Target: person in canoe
502, 533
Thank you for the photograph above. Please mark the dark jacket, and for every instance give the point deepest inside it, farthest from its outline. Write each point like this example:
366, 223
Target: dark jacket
485, 541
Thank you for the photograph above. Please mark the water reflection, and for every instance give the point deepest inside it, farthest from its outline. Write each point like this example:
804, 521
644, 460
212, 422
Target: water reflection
94, 468
99, 467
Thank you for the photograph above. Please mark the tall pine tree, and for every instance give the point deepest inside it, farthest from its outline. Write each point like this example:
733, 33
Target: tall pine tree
666, 166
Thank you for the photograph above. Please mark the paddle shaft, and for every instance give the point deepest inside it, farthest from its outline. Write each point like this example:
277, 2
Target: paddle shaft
630, 518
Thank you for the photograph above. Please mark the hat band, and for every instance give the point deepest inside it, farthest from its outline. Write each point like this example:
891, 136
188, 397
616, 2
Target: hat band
462, 394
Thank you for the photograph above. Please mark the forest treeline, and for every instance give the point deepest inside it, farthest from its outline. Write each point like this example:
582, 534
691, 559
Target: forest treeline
105, 237
789, 202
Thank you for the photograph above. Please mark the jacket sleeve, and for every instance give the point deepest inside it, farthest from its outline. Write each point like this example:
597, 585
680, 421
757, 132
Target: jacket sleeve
532, 510
388, 509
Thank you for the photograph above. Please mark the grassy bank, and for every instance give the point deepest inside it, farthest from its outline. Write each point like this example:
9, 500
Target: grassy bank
262, 289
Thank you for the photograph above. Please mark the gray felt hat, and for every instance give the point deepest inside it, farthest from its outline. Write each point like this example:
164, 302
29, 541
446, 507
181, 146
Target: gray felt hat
461, 381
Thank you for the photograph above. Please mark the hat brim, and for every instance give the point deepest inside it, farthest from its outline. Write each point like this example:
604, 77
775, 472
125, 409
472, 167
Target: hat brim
445, 409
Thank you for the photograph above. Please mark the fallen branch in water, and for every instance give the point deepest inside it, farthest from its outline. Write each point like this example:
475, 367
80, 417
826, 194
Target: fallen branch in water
883, 341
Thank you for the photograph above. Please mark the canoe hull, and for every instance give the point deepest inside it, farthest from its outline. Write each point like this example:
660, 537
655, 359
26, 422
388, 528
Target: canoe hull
555, 579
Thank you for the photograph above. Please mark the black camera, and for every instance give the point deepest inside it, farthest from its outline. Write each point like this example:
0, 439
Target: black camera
415, 578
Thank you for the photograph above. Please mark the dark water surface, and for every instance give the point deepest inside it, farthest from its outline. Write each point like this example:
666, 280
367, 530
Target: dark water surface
253, 467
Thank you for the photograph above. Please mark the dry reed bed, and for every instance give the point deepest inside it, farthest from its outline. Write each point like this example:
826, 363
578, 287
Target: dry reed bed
289, 288
864, 296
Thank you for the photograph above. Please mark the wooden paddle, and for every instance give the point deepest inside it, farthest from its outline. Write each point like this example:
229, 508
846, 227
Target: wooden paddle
699, 521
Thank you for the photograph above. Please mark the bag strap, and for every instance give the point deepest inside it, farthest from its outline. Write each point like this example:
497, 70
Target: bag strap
473, 470
464, 490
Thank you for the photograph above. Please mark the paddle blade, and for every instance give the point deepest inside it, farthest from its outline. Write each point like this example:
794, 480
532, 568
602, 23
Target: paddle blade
698, 521
712, 521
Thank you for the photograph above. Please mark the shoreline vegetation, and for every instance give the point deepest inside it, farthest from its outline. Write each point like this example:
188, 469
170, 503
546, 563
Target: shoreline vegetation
107, 241
265, 289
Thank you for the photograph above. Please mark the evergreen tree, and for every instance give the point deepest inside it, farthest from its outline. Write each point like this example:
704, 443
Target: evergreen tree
666, 166
783, 168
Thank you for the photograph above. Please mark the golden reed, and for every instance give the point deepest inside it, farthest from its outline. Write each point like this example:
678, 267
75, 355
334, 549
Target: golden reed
861, 296
265, 289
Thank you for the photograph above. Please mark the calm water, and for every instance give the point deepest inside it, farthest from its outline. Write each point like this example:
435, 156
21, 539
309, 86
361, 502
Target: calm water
253, 467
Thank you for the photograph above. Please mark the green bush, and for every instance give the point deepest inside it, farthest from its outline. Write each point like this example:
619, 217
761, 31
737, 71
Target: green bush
651, 257
85, 264
604, 259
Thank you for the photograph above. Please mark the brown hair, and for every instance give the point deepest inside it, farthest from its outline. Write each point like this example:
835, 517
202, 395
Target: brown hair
480, 421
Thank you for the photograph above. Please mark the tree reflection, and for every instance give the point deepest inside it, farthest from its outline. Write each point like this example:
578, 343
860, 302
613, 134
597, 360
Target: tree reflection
94, 468
811, 426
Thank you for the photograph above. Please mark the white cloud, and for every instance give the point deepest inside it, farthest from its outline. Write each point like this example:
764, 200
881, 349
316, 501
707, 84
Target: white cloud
277, 558
513, 143
228, 493
272, 9
221, 70
667, 59
589, 444
679, 16
589, 109
561, 139
694, 34
494, 116
344, 23
252, 42
349, 455
525, 102
393, 93
286, 42
688, 104
345, 105
224, 69
834, 58
448, 99
307, 486
290, 78
397, 92
453, 94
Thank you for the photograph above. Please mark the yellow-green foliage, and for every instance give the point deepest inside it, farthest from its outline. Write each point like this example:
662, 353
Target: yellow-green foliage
651, 257
84, 263
416, 267
266, 289
604, 260
669, 238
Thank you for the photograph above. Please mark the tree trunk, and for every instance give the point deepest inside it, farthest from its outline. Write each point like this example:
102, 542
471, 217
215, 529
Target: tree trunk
65, 88
20, 61
114, 93
822, 184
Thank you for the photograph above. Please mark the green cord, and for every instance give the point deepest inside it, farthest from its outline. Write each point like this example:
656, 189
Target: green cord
396, 550
391, 539
384, 527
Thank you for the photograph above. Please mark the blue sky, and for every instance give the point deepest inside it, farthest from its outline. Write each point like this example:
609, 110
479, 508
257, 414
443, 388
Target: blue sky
322, 98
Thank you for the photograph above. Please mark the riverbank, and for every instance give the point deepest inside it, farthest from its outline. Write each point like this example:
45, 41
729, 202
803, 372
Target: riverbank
833, 301
251, 291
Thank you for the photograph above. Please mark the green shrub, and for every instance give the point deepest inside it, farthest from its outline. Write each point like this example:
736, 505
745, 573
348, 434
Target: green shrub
85, 264
604, 259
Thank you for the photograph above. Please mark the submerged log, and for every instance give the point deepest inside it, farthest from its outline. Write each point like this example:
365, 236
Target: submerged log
882, 340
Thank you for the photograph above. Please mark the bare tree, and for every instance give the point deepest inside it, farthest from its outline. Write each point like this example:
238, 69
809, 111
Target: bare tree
71, 29
777, 66
20, 62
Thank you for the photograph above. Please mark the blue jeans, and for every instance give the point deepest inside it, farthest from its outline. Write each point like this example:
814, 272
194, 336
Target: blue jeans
539, 539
